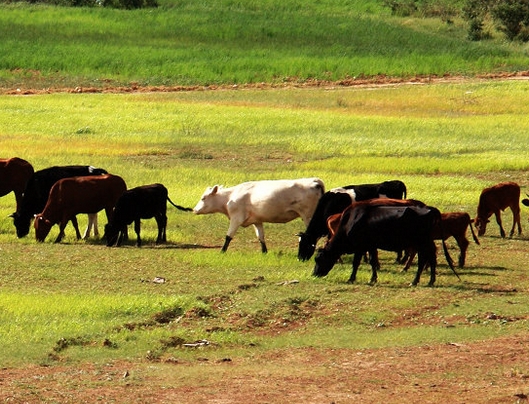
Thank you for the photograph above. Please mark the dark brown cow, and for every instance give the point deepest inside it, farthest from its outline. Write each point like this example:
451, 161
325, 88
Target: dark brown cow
453, 224
382, 224
495, 199
14, 174
74, 195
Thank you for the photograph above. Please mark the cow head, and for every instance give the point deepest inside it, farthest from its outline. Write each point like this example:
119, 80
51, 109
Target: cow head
324, 262
21, 223
42, 227
111, 234
307, 246
207, 203
481, 225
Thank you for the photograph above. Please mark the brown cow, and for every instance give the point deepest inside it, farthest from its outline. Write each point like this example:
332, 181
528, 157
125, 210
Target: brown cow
74, 195
453, 224
495, 199
14, 174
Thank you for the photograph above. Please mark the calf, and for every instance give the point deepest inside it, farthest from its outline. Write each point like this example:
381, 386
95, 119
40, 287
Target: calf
258, 202
138, 203
14, 175
452, 224
74, 195
495, 199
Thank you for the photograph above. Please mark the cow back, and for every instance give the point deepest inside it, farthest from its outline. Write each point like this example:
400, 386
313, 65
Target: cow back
391, 228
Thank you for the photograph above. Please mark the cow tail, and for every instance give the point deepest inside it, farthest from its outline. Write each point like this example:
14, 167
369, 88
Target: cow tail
449, 260
179, 207
476, 240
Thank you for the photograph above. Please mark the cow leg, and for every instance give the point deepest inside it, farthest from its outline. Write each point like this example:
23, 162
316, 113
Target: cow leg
498, 220
75, 226
463, 243
137, 226
92, 223
410, 256
433, 263
161, 221
516, 220
375, 266
357, 258
234, 225
421, 263
226, 244
121, 236
62, 226
259, 232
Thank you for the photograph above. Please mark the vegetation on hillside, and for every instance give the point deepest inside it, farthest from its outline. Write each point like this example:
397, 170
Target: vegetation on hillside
225, 42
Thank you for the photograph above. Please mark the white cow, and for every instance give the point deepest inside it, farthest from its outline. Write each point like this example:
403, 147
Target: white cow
258, 202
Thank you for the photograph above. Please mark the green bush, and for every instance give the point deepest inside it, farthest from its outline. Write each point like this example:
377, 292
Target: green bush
512, 17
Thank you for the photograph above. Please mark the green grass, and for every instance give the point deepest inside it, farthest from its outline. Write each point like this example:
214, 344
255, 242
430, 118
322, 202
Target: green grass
226, 42
80, 301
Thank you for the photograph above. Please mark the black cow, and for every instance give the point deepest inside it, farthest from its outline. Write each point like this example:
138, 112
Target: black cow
335, 201
370, 225
144, 202
38, 189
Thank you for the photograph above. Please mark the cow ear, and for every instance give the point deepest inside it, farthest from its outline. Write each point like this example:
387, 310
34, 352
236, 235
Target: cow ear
214, 190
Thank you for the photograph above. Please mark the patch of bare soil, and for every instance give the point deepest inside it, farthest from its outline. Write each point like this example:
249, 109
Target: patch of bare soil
379, 80
492, 371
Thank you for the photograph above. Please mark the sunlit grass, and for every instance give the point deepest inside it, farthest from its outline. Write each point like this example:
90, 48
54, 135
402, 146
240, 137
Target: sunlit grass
443, 145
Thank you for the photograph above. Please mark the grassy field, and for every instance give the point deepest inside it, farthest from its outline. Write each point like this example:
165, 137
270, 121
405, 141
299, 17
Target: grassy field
245, 326
81, 301
227, 42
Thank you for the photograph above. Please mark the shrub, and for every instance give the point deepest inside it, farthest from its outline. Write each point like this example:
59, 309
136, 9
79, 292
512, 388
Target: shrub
512, 17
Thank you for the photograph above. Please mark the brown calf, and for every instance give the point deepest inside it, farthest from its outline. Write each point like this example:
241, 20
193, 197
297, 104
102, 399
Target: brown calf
495, 199
74, 195
14, 174
454, 225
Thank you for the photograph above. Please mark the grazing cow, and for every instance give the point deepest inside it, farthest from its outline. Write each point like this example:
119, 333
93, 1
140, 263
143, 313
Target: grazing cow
379, 224
335, 201
257, 202
453, 224
138, 203
38, 189
495, 199
74, 195
14, 175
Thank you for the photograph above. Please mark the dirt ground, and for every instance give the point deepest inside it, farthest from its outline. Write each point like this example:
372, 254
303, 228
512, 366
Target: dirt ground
380, 80
493, 371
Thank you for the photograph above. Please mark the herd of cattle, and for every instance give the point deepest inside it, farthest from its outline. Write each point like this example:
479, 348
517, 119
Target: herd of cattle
355, 219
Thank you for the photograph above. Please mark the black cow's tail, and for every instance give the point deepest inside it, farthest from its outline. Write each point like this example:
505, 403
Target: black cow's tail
449, 260
179, 207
